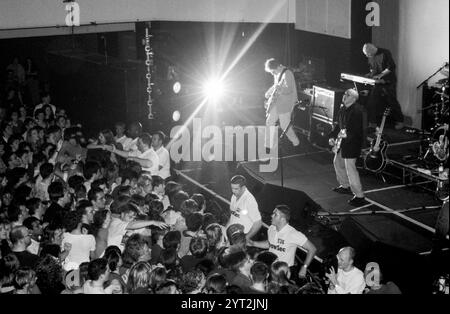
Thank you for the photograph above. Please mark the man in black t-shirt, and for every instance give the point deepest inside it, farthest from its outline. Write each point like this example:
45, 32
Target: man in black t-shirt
21, 238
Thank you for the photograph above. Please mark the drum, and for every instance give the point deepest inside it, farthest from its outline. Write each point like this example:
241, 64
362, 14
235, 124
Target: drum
440, 143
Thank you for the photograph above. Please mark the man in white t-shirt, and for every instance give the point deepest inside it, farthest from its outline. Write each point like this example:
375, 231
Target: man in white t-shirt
283, 240
121, 137
348, 279
146, 157
163, 154
244, 208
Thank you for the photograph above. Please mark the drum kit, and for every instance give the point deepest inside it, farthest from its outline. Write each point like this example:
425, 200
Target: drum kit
438, 137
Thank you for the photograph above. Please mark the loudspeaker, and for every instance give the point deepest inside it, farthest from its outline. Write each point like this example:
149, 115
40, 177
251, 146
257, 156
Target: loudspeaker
326, 103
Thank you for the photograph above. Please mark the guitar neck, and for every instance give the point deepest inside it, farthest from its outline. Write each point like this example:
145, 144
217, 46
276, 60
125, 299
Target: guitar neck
383, 122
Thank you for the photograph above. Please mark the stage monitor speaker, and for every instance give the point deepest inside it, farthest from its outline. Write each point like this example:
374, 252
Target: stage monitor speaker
324, 113
326, 103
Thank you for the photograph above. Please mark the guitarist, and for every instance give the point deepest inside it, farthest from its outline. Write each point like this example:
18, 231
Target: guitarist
351, 141
281, 98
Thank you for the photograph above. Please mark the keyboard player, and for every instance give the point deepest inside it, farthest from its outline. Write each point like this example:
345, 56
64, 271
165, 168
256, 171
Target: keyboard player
383, 95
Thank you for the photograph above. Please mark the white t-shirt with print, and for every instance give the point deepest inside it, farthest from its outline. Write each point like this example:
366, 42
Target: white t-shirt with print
164, 162
82, 246
244, 211
151, 155
285, 242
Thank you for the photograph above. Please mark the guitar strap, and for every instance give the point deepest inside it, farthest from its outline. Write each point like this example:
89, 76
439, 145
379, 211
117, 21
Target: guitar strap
281, 75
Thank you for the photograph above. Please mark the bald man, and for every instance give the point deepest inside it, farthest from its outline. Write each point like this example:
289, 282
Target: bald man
350, 129
348, 279
383, 95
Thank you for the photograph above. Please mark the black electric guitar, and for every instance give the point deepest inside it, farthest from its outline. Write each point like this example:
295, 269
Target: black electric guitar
376, 159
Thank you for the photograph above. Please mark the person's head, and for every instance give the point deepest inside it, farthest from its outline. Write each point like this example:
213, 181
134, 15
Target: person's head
61, 122
72, 220
234, 233
91, 171
192, 281
20, 237
114, 257
139, 276
172, 240
145, 183
136, 249
106, 137
280, 272
259, 273
350, 97
281, 215
198, 247
194, 222
370, 50
200, 200
46, 170
24, 279
87, 212
145, 142
49, 275
128, 212
158, 276
266, 257
34, 226
189, 207
215, 284
158, 185
158, 139
58, 193
272, 66
54, 134
168, 287
35, 206
5, 229
134, 130
238, 184
214, 235
169, 258
346, 257
98, 270
178, 199
120, 129
97, 197
45, 98
239, 261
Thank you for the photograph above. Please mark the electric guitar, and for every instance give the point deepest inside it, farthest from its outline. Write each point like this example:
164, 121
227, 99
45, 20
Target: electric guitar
270, 102
338, 142
376, 159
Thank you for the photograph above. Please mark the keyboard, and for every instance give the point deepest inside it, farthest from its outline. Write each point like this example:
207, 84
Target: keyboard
358, 79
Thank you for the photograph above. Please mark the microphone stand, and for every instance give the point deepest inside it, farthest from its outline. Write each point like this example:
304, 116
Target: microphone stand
439, 70
283, 134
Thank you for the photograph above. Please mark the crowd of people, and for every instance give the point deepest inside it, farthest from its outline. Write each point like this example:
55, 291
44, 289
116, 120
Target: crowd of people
104, 216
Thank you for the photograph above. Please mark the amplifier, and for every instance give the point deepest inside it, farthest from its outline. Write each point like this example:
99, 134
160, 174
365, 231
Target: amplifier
326, 103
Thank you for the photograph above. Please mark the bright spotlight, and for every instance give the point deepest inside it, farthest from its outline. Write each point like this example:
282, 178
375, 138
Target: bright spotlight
176, 116
213, 89
176, 87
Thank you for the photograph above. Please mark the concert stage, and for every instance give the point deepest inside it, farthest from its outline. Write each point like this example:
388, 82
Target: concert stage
395, 229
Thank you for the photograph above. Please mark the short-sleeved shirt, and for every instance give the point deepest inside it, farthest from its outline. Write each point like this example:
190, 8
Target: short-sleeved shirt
284, 243
164, 162
82, 246
244, 211
116, 231
151, 155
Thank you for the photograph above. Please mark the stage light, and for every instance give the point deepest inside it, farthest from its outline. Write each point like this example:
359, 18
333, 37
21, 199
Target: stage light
176, 87
176, 116
213, 89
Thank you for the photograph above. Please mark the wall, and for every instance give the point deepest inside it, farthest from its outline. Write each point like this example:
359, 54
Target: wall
417, 32
49, 13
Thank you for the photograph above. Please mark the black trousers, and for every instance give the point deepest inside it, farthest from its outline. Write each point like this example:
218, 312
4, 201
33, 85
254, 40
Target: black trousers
380, 98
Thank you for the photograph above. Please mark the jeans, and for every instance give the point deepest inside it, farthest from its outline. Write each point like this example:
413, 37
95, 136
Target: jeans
347, 175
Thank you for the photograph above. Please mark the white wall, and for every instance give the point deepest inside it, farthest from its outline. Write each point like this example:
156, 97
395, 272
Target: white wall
49, 13
423, 48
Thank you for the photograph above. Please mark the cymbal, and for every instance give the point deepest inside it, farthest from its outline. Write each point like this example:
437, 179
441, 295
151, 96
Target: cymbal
443, 81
